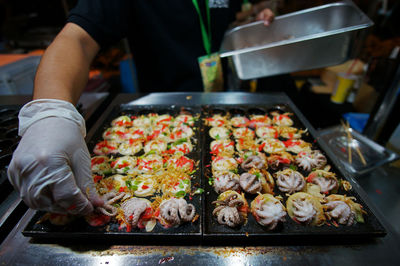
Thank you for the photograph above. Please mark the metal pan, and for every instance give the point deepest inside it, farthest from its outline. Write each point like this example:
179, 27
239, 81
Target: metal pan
80, 229
307, 39
254, 233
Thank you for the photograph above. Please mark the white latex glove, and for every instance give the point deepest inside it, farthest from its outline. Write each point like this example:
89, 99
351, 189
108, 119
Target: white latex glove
51, 166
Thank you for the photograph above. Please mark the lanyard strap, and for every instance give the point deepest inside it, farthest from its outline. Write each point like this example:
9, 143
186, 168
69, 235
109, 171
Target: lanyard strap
206, 35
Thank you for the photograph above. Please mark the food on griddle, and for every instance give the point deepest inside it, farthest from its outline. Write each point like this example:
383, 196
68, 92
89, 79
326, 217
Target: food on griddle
231, 209
225, 180
254, 161
109, 199
305, 209
224, 163
244, 145
130, 147
267, 132
174, 212
100, 165
216, 121
149, 163
297, 145
282, 120
290, 132
279, 159
257, 121
290, 181
239, 121
157, 146
106, 147
159, 169
142, 185
122, 121
310, 160
223, 147
219, 133
184, 119
272, 146
124, 165
268, 211
136, 212
256, 181
335, 209
243, 133
327, 181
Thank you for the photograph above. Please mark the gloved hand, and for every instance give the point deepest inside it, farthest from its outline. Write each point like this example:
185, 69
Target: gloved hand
51, 166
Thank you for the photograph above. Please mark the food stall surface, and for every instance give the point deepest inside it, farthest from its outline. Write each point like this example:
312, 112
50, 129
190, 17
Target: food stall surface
19, 250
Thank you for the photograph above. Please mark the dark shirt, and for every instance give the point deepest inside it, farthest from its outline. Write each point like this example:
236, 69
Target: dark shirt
164, 36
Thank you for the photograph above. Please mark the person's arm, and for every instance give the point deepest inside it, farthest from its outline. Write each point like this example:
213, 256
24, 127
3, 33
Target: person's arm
51, 166
64, 68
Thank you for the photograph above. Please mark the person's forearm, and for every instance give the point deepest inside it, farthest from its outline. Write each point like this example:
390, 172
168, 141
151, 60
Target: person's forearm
63, 70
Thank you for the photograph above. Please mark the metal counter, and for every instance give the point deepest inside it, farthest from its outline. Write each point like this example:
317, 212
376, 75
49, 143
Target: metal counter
19, 250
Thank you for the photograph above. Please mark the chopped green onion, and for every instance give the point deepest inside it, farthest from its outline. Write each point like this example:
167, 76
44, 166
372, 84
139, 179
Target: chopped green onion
199, 191
180, 194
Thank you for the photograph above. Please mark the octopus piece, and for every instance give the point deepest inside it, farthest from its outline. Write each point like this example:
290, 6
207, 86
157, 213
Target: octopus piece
304, 208
250, 183
219, 133
335, 209
176, 211
325, 180
290, 181
268, 211
253, 161
133, 209
225, 180
231, 209
303, 211
279, 159
340, 211
228, 216
109, 199
310, 160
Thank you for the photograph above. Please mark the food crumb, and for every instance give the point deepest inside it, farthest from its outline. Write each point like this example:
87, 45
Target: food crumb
247, 234
164, 260
188, 97
284, 258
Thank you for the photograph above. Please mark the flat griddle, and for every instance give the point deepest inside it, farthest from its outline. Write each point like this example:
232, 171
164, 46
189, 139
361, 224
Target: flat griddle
206, 228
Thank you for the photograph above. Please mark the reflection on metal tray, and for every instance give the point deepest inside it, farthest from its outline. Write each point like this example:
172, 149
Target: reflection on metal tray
375, 155
79, 228
214, 232
307, 39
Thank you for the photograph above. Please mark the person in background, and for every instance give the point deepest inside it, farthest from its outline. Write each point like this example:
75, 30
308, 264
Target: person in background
51, 166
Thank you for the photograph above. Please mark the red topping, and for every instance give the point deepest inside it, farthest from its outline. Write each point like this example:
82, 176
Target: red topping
97, 178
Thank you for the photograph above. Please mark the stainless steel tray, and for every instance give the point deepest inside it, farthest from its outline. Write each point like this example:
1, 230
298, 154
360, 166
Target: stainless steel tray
375, 155
307, 39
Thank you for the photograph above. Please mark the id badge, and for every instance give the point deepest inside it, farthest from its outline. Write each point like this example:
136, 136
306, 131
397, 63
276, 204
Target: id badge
211, 72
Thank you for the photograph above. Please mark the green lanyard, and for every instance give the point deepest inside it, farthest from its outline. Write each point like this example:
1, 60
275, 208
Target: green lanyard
206, 35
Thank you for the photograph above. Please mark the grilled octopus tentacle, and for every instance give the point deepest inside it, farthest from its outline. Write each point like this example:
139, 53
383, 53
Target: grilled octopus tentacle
250, 183
133, 208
